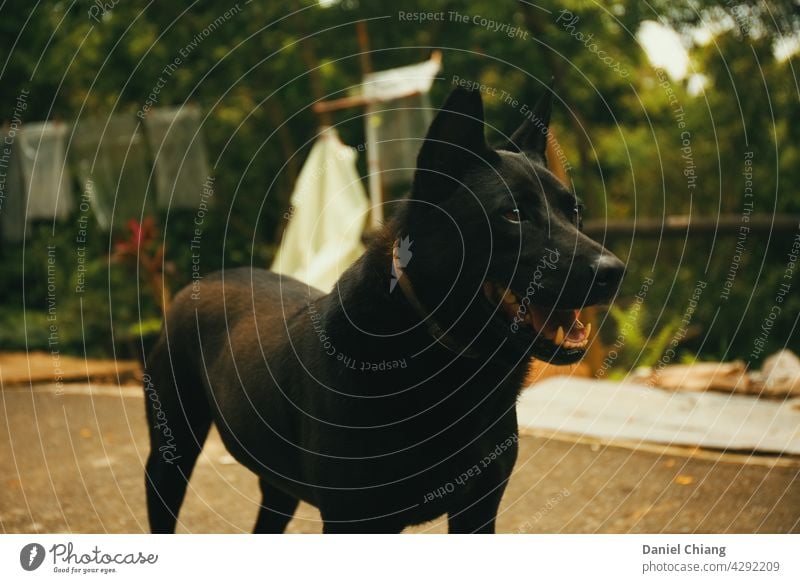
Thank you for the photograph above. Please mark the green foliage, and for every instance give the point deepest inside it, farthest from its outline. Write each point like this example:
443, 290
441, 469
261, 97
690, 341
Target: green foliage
638, 345
149, 327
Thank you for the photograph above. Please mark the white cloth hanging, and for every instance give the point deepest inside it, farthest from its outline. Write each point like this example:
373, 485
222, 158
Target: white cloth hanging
175, 136
329, 207
45, 171
110, 156
12, 190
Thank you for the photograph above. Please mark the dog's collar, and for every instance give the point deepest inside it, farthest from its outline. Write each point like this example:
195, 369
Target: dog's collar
434, 329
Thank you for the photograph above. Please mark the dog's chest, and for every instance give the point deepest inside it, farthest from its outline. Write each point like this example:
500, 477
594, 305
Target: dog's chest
419, 470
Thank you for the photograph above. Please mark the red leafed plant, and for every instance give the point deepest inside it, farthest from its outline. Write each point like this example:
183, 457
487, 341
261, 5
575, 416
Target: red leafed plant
142, 248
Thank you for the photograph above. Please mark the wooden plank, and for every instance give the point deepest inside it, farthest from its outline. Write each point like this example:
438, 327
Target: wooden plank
20, 368
686, 225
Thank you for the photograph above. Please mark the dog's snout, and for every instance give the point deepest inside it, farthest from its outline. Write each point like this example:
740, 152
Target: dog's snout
608, 272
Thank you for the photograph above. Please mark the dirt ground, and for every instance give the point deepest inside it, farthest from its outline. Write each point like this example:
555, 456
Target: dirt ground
72, 462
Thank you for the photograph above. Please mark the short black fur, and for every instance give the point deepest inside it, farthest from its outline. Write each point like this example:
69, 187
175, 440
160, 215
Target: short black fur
347, 400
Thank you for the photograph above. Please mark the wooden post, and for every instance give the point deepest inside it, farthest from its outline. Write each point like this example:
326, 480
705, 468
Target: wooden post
310, 60
363, 45
373, 164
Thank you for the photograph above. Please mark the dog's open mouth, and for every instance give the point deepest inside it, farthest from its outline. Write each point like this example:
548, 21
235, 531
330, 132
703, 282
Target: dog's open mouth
559, 328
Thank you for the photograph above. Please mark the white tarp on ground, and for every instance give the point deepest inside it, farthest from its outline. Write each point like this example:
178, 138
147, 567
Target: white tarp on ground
329, 208
629, 411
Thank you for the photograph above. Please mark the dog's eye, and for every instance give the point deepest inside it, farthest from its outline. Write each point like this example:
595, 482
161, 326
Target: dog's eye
513, 216
577, 216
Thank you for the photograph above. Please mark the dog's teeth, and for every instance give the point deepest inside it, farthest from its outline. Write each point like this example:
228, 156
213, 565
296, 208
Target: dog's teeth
578, 325
568, 344
588, 329
559, 339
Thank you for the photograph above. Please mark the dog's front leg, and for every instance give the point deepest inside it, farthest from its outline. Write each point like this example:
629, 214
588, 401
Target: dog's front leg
376, 526
478, 515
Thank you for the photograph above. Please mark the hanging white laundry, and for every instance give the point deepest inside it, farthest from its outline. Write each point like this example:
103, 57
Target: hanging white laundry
397, 117
402, 81
329, 207
45, 170
12, 190
175, 136
110, 156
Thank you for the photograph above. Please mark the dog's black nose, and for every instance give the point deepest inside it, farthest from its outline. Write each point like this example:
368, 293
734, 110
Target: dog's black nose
608, 272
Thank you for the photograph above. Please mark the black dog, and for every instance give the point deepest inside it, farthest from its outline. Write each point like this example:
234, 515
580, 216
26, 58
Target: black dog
391, 400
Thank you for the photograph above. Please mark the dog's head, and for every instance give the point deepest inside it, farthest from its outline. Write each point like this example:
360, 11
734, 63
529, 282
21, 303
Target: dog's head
497, 242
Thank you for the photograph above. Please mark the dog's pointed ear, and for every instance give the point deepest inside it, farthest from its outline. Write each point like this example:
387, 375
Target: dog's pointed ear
455, 141
531, 136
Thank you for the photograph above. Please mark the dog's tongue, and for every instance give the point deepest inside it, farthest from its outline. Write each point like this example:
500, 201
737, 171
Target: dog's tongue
561, 327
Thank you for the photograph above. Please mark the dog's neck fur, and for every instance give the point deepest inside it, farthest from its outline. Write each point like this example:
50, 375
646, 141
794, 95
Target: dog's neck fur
389, 324
435, 330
